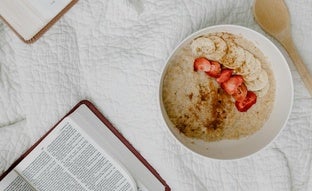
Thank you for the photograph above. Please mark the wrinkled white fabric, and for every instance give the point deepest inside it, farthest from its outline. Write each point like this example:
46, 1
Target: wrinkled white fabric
112, 53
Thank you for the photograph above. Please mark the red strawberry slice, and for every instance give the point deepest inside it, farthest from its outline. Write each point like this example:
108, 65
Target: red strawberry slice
225, 75
249, 101
212, 68
240, 93
231, 85
215, 69
202, 64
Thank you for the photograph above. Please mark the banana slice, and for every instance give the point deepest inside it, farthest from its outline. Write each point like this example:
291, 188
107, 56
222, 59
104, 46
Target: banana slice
220, 51
202, 46
259, 83
250, 66
255, 73
212, 47
263, 91
235, 56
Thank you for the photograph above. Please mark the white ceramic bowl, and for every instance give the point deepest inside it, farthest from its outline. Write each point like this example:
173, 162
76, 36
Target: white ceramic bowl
235, 149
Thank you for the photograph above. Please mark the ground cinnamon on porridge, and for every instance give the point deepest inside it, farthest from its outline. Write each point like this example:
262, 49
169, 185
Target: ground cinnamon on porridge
199, 107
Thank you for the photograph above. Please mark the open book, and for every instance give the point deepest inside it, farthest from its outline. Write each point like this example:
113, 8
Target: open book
83, 152
29, 19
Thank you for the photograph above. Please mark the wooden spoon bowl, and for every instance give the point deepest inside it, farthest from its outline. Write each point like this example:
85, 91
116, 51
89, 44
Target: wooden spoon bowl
273, 17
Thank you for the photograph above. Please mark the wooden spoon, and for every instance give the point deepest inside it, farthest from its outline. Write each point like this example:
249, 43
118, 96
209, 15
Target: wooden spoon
273, 17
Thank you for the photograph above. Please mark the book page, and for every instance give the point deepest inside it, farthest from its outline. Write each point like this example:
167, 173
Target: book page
67, 159
28, 17
22, 19
100, 133
14, 182
47, 9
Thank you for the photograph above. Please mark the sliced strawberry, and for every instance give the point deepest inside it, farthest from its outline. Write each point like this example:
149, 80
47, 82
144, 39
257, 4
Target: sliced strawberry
224, 75
249, 101
202, 64
240, 93
215, 69
212, 68
231, 85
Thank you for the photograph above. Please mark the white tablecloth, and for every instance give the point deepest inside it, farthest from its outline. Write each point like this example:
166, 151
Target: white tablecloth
112, 53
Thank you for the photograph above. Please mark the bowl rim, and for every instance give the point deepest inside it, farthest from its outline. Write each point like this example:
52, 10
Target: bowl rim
166, 65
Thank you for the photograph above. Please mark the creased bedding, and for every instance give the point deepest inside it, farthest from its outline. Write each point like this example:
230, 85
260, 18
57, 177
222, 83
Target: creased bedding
113, 52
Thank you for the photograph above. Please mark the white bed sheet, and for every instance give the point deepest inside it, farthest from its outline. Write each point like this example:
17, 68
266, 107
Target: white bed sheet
113, 52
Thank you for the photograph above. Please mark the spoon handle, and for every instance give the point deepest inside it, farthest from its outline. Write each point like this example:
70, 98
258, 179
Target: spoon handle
301, 67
